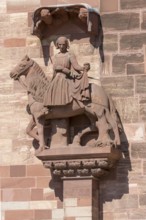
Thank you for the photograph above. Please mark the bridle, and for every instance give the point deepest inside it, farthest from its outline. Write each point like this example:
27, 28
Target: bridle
27, 67
20, 73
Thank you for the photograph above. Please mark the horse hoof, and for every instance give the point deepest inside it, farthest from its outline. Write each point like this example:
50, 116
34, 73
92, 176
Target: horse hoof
39, 150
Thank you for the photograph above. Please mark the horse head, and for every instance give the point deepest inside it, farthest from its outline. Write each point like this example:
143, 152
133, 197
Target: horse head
21, 68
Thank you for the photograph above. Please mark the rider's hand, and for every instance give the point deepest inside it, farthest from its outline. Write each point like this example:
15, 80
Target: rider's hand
86, 66
66, 71
58, 68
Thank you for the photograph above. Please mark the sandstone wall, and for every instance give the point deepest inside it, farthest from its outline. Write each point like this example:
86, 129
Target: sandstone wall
124, 42
25, 188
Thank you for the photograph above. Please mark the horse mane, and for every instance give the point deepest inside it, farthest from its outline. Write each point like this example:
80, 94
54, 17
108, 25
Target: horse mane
37, 82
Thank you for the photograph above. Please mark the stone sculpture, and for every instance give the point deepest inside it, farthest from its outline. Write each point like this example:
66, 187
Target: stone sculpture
99, 108
88, 149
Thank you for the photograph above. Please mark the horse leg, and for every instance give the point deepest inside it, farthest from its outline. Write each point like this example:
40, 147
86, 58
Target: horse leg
114, 125
91, 116
30, 129
103, 136
40, 128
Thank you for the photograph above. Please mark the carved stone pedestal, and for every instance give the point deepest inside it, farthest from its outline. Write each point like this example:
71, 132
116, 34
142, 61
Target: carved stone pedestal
80, 169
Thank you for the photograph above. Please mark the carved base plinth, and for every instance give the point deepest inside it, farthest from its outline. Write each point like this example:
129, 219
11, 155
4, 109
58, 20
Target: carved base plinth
79, 169
80, 161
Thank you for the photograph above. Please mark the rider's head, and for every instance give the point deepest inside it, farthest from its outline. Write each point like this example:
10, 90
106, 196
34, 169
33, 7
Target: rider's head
62, 44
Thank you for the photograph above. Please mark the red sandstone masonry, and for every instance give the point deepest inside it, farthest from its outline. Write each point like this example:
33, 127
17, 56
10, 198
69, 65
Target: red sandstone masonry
15, 42
43, 214
36, 194
69, 218
59, 204
50, 196
0, 195
15, 215
94, 3
9, 195
48, 2
83, 201
18, 182
22, 6
4, 171
18, 171
30, 15
42, 182
108, 6
37, 170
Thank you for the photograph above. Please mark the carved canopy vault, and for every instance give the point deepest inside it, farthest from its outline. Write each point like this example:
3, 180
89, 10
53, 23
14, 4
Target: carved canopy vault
77, 21
48, 20
77, 122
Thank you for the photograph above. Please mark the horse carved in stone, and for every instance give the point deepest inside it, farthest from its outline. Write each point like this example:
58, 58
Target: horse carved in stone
102, 109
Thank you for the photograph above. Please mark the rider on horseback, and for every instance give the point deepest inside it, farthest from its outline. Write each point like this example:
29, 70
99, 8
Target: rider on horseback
70, 80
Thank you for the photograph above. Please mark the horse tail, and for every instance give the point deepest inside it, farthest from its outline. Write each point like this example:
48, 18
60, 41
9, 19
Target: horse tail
114, 114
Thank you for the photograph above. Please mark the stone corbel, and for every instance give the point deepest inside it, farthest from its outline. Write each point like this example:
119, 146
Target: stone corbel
80, 161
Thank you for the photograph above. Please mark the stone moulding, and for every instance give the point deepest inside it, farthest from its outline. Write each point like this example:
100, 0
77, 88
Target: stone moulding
80, 161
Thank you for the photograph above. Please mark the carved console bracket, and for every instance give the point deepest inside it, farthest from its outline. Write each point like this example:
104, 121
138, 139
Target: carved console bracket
80, 161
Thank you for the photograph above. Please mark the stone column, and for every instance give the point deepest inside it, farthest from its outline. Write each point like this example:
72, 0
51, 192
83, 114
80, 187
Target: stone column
81, 198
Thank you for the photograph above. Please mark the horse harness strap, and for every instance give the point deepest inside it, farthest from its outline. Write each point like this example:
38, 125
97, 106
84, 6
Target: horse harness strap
27, 67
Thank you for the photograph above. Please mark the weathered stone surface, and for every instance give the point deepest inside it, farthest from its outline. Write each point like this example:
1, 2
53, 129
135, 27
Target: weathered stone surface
110, 42
132, 41
106, 66
5, 30
143, 112
119, 86
3, 6
4, 18
143, 24
12, 53
135, 69
121, 216
140, 181
127, 109
23, 6
120, 60
18, 25
15, 42
132, 4
142, 200
15, 214
127, 201
138, 150
108, 215
34, 52
120, 21
137, 214
32, 41
144, 167
142, 99
136, 168
134, 132
108, 6
141, 84
18, 171
85, 50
